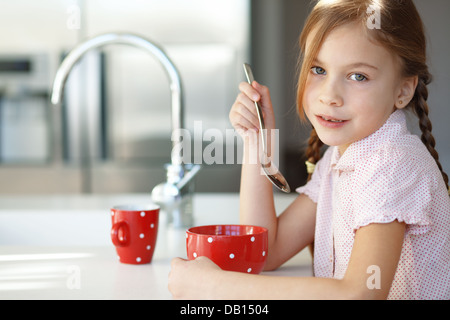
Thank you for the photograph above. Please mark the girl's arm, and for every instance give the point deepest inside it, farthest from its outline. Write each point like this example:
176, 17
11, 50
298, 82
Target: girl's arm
375, 255
256, 191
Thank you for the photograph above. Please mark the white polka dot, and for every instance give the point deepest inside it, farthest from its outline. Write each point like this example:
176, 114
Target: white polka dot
249, 270
263, 253
142, 214
210, 239
138, 259
252, 239
152, 225
231, 255
141, 236
186, 235
195, 254
112, 213
149, 247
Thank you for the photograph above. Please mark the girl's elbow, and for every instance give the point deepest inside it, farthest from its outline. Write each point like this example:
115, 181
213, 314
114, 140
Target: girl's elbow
269, 266
272, 263
362, 292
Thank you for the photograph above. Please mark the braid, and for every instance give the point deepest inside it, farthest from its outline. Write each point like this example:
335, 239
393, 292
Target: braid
421, 110
313, 150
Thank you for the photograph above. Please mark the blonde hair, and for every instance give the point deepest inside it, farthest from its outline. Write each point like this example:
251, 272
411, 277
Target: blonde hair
401, 32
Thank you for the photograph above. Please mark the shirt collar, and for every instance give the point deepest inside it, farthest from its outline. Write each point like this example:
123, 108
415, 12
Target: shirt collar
394, 126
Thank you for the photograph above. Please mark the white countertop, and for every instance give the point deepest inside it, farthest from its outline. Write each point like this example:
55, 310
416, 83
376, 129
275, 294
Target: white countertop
58, 247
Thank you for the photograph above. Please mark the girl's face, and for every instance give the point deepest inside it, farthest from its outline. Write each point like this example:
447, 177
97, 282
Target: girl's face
352, 88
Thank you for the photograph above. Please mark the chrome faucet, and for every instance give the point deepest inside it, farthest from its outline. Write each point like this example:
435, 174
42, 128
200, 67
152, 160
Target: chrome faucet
175, 195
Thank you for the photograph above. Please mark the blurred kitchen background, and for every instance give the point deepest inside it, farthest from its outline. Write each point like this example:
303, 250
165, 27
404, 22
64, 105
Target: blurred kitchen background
112, 133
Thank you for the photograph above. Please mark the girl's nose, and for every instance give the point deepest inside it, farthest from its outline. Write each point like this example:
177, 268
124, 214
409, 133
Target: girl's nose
330, 94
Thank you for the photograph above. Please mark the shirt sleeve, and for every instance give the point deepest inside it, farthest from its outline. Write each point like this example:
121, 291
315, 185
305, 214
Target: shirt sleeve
394, 186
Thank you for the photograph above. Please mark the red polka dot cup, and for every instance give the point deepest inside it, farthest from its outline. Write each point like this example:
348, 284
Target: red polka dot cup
241, 248
134, 231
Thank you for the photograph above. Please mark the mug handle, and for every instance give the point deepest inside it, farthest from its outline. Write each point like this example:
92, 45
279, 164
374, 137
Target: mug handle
115, 234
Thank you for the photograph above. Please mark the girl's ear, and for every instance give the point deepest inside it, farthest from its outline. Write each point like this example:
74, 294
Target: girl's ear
407, 90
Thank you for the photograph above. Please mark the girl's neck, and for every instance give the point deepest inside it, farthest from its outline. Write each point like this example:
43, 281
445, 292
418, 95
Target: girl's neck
342, 149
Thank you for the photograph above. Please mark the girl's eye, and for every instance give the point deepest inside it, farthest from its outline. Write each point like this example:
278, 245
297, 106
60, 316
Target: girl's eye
318, 70
358, 77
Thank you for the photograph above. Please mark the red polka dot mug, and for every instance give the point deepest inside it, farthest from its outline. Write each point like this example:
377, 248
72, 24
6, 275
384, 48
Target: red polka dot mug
241, 248
134, 232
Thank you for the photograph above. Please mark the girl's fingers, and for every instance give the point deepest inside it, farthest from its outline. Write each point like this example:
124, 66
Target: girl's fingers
246, 107
243, 113
249, 91
243, 122
266, 104
259, 93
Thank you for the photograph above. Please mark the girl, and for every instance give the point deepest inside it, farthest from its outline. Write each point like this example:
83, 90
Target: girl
377, 202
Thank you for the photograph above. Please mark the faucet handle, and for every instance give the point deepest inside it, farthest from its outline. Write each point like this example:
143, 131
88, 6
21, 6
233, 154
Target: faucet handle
188, 176
165, 194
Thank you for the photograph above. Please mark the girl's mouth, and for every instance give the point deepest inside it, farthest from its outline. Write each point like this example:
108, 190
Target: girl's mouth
330, 122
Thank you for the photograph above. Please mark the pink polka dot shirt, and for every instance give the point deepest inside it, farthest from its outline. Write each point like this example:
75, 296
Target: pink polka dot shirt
387, 176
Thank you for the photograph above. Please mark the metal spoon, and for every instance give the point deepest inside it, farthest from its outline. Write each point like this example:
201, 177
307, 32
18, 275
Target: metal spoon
270, 170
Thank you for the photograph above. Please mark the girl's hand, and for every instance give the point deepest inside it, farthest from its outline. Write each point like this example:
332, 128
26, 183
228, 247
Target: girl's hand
193, 279
243, 114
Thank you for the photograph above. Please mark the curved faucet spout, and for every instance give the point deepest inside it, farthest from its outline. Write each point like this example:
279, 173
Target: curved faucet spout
136, 41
